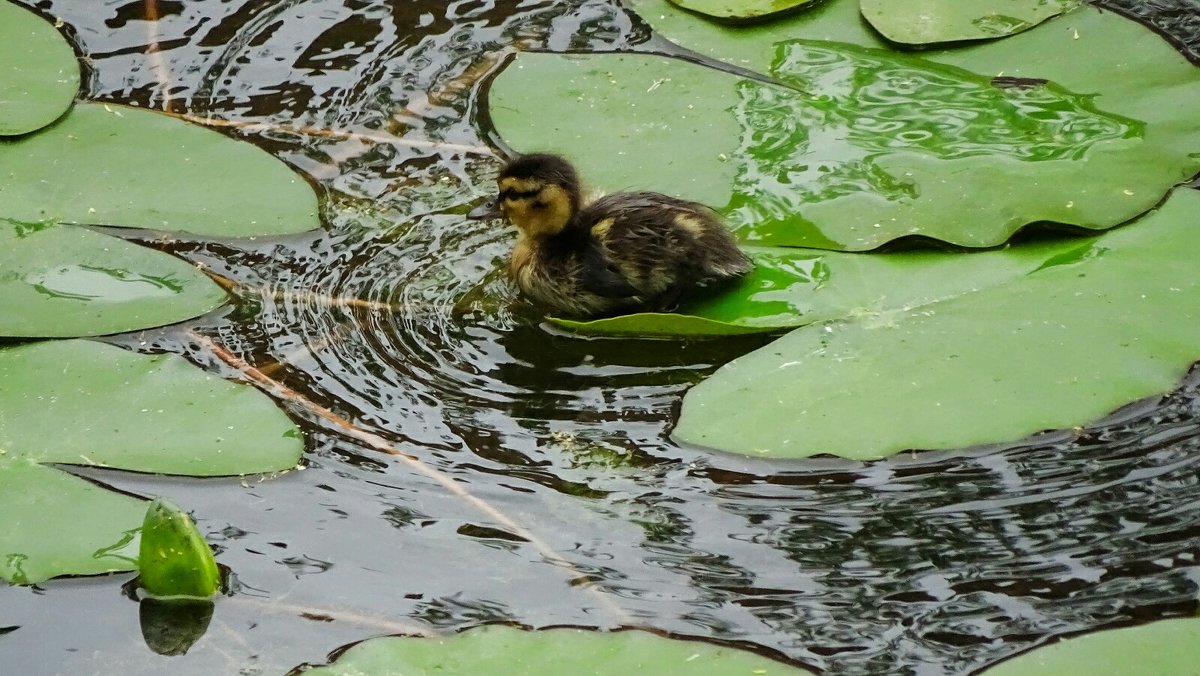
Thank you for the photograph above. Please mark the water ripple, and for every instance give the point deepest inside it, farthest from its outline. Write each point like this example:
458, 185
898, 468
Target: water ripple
398, 319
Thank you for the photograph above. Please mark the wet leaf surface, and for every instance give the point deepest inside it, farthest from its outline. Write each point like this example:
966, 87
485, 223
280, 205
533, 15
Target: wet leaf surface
87, 403
741, 9
1147, 79
1083, 334
925, 22
1167, 647
794, 287
63, 281
115, 165
866, 146
39, 76
511, 650
56, 524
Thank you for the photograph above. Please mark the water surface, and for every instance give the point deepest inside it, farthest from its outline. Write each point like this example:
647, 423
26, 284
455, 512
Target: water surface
927, 564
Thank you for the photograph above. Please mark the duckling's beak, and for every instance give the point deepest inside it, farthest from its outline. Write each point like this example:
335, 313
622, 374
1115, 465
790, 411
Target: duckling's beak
489, 209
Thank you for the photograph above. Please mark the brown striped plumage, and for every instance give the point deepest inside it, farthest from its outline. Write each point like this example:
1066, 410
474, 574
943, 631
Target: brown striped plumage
621, 253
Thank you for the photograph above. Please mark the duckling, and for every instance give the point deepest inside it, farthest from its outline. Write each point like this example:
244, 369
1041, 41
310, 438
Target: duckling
620, 253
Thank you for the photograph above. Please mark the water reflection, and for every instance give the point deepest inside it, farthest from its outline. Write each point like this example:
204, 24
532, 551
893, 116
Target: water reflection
930, 565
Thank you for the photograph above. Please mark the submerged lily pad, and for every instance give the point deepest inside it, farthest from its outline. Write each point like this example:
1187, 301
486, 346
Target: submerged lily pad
498, 649
924, 22
39, 75
173, 558
56, 524
794, 287
58, 281
1163, 648
87, 403
883, 146
115, 165
741, 9
1083, 334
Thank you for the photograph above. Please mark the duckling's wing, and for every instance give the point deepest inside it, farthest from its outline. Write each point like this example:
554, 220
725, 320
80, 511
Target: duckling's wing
602, 277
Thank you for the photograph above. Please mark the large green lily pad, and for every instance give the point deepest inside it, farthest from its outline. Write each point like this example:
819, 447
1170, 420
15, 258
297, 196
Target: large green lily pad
924, 22
508, 650
87, 403
884, 147
58, 281
794, 287
963, 145
752, 46
665, 122
735, 10
1132, 71
39, 75
55, 524
1058, 347
1163, 648
115, 165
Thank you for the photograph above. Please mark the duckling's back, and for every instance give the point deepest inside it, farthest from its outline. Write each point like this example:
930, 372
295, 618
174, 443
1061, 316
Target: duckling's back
659, 248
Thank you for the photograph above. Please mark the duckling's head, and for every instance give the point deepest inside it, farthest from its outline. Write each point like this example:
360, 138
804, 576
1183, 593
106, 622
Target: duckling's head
539, 193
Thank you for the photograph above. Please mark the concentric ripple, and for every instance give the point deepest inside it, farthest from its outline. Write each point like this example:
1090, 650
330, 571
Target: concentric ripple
397, 321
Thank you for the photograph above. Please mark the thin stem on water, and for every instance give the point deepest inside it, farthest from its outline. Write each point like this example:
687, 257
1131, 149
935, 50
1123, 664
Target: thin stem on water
383, 446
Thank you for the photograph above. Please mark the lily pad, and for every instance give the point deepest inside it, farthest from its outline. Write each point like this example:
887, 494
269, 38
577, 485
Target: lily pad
39, 75
925, 22
55, 524
752, 46
1061, 346
735, 10
1129, 69
58, 281
884, 146
496, 649
114, 165
946, 167
1163, 648
794, 287
173, 558
83, 402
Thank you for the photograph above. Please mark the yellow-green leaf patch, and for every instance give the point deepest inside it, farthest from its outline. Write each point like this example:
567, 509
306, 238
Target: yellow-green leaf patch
793, 287
173, 558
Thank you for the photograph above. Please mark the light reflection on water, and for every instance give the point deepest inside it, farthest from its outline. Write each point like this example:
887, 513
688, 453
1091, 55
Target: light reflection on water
929, 565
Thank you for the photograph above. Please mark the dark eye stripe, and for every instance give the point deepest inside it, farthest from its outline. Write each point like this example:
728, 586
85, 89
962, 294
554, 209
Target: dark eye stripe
510, 194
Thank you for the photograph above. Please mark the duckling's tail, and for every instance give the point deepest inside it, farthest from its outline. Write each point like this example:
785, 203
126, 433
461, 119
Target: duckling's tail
725, 260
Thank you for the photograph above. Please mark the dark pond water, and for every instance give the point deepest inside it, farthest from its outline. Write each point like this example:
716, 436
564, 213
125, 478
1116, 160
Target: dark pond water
927, 564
